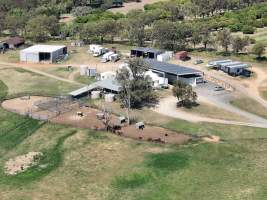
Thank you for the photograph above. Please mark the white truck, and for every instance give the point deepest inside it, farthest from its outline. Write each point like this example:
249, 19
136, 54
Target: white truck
96, 50
110, 56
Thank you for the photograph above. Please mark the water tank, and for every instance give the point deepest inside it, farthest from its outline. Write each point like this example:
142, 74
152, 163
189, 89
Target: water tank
95, 94
83, 70
109, 98
91, 72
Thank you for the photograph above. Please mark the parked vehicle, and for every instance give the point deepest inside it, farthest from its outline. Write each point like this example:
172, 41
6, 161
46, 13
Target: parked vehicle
218, 88
97, 50
197, 62
107, 57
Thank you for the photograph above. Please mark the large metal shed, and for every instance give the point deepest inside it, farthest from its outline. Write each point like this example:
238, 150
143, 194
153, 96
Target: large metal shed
145, 52
176, 72
43, 53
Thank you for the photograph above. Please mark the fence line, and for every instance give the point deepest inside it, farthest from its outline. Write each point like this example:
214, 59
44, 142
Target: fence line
221, 83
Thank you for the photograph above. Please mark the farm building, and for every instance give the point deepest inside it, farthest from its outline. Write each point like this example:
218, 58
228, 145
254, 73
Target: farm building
157, 80
182, 55
2, 48
13, 42
145, 52
175, 72
233, 68
215, 63
166, 56
107, 85
43, 53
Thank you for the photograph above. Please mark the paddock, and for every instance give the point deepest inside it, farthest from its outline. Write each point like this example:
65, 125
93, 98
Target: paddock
69, 112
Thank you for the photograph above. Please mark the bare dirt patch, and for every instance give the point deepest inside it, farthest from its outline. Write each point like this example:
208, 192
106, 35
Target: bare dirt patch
212, 139
87, 117
22, 105
21, 163
88, 120
155, 134
149, 133
132, 6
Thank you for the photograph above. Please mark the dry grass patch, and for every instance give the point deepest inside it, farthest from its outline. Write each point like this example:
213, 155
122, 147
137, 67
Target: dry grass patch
21, 81
11, 56
211, 111
62, 72
251, 106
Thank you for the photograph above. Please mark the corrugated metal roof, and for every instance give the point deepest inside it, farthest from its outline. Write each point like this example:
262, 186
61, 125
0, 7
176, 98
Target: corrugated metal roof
43, 48
82, 90
170, 68
109, 84
241, 65
216, 62
230, 64
15, 40
146, 49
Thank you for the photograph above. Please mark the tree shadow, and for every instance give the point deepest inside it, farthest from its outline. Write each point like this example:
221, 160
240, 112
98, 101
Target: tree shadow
261, 59
186, 104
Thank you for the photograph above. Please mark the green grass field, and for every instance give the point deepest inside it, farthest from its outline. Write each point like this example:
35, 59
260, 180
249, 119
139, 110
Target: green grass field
84, 79
83, 164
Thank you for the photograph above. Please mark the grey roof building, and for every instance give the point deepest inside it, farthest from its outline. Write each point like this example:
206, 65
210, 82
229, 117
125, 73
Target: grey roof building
110, 85
145, 52
176, 72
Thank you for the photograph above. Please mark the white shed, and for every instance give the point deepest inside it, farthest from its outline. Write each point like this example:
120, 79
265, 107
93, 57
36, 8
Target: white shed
43, 53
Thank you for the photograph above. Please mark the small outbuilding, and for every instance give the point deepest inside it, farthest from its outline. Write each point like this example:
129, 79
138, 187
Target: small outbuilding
14, 42
43, 53
182, 55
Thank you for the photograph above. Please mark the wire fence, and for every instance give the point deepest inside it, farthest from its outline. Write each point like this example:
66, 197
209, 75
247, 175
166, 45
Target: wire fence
221, 83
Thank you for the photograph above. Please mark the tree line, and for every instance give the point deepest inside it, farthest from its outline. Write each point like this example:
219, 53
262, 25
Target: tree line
170, 25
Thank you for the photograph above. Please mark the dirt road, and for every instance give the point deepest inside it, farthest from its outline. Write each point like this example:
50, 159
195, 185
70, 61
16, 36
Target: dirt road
167, 106
14, 65
132, 6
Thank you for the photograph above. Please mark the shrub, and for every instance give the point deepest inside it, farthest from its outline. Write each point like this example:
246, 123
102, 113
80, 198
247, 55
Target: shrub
258, 24
258, 49
248, 29
252, 41
264, 21
235, 27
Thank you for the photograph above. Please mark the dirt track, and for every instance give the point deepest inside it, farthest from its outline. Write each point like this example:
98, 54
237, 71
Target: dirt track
132, 6
167, 106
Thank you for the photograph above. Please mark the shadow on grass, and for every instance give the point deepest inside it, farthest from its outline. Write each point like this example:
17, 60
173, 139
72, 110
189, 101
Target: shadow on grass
167, 161
131, 181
